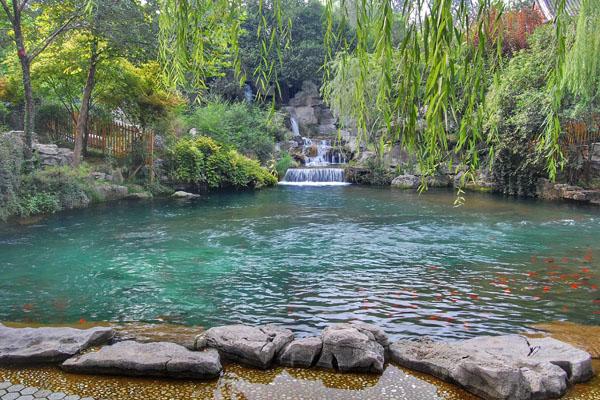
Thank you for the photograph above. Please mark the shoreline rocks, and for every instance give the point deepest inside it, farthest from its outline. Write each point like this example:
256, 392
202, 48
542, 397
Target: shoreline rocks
499, 367
353, 347
29, 346
158, 359
492, 367
253, 346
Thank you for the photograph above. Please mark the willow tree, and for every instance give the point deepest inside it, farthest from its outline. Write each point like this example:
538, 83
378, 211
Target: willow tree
431, 82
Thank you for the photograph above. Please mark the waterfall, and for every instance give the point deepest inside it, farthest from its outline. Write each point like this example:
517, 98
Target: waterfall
321, 153
295, 127
314, 177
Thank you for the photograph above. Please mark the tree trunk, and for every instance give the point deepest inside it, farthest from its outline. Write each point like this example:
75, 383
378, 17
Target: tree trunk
85, 105
28, 123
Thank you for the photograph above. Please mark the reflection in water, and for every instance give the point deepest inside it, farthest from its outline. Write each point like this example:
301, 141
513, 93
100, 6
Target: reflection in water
243, 383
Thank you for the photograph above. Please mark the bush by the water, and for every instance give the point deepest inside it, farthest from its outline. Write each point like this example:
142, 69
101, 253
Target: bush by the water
284, 163
204, 162
251, 130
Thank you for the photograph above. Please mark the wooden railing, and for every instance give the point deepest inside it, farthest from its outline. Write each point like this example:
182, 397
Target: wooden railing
579, 133
115, 138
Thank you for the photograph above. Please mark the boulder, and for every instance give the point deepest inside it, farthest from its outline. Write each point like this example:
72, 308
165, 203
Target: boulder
110, 192
52, 155
305, 115
406, 181
351, 348
180, 194
500, 367
253, 346
160, 359
27, 346
301, 352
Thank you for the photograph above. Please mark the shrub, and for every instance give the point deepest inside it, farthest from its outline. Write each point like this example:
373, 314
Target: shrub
38, 203
204, 162
517, 105
69, 186
246, 127
283, 164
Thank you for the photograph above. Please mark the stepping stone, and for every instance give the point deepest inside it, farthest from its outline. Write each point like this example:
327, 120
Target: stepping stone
499, 367
301, 352
353, 348
27, 346
249, 345
160, 359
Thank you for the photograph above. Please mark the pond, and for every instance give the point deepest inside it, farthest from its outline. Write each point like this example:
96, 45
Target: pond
304, 257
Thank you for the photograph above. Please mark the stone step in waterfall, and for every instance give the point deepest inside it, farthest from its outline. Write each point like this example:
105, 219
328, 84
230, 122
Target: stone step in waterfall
314, 177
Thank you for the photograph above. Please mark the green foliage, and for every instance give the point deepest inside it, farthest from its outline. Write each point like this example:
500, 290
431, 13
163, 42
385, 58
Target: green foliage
517, 106
583, 64
70, 186
11, 158
351, 102
283, 164
204, 162
38, 203
303, 55
251, 130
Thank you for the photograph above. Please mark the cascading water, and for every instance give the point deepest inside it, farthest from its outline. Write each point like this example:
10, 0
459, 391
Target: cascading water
318, 155
295, 127
314, 177
321, 153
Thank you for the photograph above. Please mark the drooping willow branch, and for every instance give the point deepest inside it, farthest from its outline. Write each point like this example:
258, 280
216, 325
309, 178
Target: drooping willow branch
431, 78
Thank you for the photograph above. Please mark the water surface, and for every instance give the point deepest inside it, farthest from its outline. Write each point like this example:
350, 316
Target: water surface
304, 257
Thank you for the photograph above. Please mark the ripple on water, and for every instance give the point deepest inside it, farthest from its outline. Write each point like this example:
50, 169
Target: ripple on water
303, 258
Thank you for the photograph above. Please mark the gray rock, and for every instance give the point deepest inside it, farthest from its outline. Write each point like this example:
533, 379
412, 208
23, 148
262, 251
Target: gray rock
52, 155
349, 347
406, 181
576, 363
301, 352
162, 359
500, 367
180, 194
109, 192
47, 345
254, 346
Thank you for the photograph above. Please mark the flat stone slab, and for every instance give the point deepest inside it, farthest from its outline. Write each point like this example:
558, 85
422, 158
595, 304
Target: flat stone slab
499, 367
27, 346
159, 359
249, 345
353, 348
301, 352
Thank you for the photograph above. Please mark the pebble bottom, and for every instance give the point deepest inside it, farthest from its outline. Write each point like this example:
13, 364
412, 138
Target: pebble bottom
240, 382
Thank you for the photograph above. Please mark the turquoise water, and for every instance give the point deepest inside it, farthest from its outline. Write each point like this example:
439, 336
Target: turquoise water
305, 257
